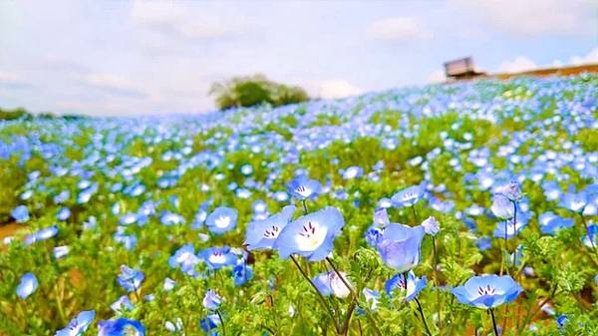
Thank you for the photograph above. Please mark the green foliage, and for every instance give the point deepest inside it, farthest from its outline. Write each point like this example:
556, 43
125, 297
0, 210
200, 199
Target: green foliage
255, 90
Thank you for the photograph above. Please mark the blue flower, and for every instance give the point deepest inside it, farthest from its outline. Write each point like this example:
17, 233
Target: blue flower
330, 283
263, 233
411, 287
301, 187
487, 291
42, 234
60, 251
211, 301
168, 219
561, 321
311, 236
484, 243
241, 274
218, 257
371, 297
575, 202
27, 285
431, 226
502, 207
130, 279
123, 303
184, 258
209, 323
78, 325
222, 220
63, 214
408, 197
352, 172
589, 239
400, 246
20, 214
551, 223
120, 326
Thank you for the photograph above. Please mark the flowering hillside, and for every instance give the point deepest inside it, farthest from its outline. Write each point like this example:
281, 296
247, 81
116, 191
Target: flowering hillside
458, 209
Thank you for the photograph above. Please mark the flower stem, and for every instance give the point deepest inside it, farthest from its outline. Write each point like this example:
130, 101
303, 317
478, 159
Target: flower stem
437, 281
304, 206
340, 276
414, 213
494, 322
421, 313
59, 304
322, 300
221, 322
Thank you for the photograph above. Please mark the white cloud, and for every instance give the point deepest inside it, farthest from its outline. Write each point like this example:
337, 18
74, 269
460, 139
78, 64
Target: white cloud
13, 81
336, 88
436, 76
517, 65
114, 84
590, 58
397, 28
185, 21
533, 17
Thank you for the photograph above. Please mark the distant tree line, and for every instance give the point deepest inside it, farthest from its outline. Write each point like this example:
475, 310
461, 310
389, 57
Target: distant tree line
20, 113
247, 91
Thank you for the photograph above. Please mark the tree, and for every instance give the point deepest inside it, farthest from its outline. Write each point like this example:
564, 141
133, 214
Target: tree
255, 90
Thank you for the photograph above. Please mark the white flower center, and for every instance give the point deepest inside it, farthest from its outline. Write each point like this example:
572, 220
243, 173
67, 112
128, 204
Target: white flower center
311, 236
217, 258
303, 191
222, 222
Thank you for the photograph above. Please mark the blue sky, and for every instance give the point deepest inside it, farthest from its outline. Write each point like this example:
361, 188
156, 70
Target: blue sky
140, 57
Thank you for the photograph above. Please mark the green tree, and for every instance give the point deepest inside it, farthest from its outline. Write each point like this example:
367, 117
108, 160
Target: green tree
255, 90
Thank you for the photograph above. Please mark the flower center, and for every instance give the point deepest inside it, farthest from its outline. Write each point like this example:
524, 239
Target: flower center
217, 258
272, 233
486, 290
222, 222
311, 236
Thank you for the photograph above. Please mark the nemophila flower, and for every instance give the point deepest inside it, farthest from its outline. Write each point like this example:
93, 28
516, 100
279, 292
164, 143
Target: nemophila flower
175, 327
120, 326
510, 228
301, 187
502, 207
483, 243
62, 197
209, 323
409, 196
168, 284
575, 202
311, 236
352, 172
551, 223
372, 297
552, 190
590, 239
211, 301
27, 285
222, 220
41, 235
184, 258
128, 241
410, 286
381, 217
122, 304
400, 246
329, 283
561, 321
487, 291
242, 274
511, 190
130, 279
60, 251
262, 234
218, 257
63, 214
431, 226
78, 325
169, 218
20, 214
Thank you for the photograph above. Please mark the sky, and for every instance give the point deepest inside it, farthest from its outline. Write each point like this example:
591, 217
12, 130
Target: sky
160, 57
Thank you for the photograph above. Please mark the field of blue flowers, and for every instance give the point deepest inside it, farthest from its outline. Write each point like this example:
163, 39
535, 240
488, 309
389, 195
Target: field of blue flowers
457, 209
